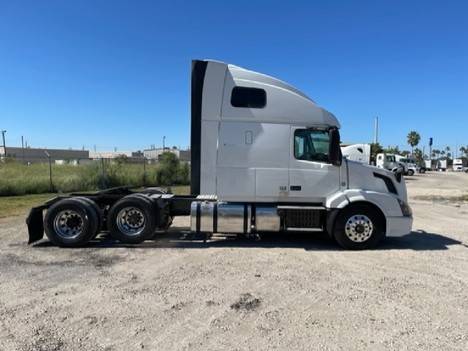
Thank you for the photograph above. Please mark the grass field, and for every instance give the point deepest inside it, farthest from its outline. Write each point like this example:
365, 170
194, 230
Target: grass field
38, 178
11, 206
23, 186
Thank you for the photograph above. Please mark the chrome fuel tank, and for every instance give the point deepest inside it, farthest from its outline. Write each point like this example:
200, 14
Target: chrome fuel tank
212, 217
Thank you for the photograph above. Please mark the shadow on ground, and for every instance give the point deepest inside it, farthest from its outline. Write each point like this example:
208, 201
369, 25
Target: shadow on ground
180, 238
420, 241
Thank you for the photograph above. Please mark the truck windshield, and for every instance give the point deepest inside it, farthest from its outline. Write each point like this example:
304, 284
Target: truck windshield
311, 145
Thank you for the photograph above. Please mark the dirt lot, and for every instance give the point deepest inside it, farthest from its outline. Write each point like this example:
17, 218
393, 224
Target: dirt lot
301, 293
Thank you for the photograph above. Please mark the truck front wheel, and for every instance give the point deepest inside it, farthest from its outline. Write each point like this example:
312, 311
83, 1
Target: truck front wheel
358, 227
132, 219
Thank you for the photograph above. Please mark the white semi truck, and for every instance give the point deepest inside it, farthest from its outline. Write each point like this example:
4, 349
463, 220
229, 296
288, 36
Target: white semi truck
388, 162
357, 152
265, 158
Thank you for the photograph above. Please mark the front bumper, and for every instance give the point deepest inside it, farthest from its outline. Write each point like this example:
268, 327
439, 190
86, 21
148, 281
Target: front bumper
399, 226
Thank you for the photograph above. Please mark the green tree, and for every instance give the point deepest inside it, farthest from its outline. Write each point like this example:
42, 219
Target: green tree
184, 173
418, 155
448, 152
413, 138
464, 151
375, 149
393, 150
166, 173
121, 159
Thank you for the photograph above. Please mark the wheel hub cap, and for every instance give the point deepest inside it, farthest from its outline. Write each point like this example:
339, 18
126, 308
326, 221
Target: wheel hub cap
359, 228
68, 224
131, 221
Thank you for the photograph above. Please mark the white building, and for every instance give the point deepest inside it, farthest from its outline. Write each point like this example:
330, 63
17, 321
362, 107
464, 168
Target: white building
30, 154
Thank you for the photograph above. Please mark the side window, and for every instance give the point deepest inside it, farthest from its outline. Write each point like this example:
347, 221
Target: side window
248, 97
311, 145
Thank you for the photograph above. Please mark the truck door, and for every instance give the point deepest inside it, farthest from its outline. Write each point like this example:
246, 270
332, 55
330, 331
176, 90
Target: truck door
311, 175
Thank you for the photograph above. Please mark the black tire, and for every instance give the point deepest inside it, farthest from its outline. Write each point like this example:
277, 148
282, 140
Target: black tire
70, 223
410, 172
132, 219
422, 170
95, 207
358, 227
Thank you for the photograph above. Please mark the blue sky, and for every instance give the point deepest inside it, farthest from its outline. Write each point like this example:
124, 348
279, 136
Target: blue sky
106, 74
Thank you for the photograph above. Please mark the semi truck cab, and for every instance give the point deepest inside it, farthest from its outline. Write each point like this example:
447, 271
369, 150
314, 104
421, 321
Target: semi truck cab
265, 158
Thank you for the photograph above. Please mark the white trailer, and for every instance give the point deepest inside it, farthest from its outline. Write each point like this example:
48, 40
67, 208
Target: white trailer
265, 158
442, 165
459, 165
357, 152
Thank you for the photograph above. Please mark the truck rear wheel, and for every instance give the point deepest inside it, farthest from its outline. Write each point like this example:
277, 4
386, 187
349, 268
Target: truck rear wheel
71, 222
358, 227
98, 211
132, 219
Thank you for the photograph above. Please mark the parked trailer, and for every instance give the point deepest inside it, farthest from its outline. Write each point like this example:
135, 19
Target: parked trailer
265, 158
357, 152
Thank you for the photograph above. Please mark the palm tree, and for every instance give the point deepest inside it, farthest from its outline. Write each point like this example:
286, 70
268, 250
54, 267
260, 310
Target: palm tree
413, 138
418, 154
463, 150
447, 150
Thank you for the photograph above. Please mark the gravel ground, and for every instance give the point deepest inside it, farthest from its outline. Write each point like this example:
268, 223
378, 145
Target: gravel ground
295, 293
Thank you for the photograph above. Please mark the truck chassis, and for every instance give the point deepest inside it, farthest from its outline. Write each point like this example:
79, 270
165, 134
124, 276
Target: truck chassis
133, 217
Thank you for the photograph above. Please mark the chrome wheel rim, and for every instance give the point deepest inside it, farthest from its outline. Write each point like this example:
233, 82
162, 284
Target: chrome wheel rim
359, 228
131, 221
68, 224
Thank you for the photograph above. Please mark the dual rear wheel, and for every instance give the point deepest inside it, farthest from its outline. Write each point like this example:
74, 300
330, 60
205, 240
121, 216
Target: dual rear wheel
73, 222
132, 219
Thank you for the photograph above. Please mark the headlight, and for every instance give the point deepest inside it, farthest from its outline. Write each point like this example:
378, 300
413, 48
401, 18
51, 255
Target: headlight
405, 209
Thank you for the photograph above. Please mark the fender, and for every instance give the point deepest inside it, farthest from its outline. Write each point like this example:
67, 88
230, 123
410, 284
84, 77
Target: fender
386, 202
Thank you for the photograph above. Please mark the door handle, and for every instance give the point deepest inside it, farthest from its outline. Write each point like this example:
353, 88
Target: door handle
295, 188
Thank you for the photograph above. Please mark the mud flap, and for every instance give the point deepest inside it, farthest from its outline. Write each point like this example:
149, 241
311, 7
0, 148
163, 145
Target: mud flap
331, 218
35, 224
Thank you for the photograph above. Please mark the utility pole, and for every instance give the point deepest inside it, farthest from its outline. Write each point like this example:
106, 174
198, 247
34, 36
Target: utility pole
376, 130
4, 146
164, 143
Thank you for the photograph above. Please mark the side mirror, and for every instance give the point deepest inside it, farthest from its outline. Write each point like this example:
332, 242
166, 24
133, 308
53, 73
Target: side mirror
398, 171
334, 151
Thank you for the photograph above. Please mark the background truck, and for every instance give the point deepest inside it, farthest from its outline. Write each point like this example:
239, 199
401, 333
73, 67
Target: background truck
412, 166
390, 163
265, 158
460, 165
357, 152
